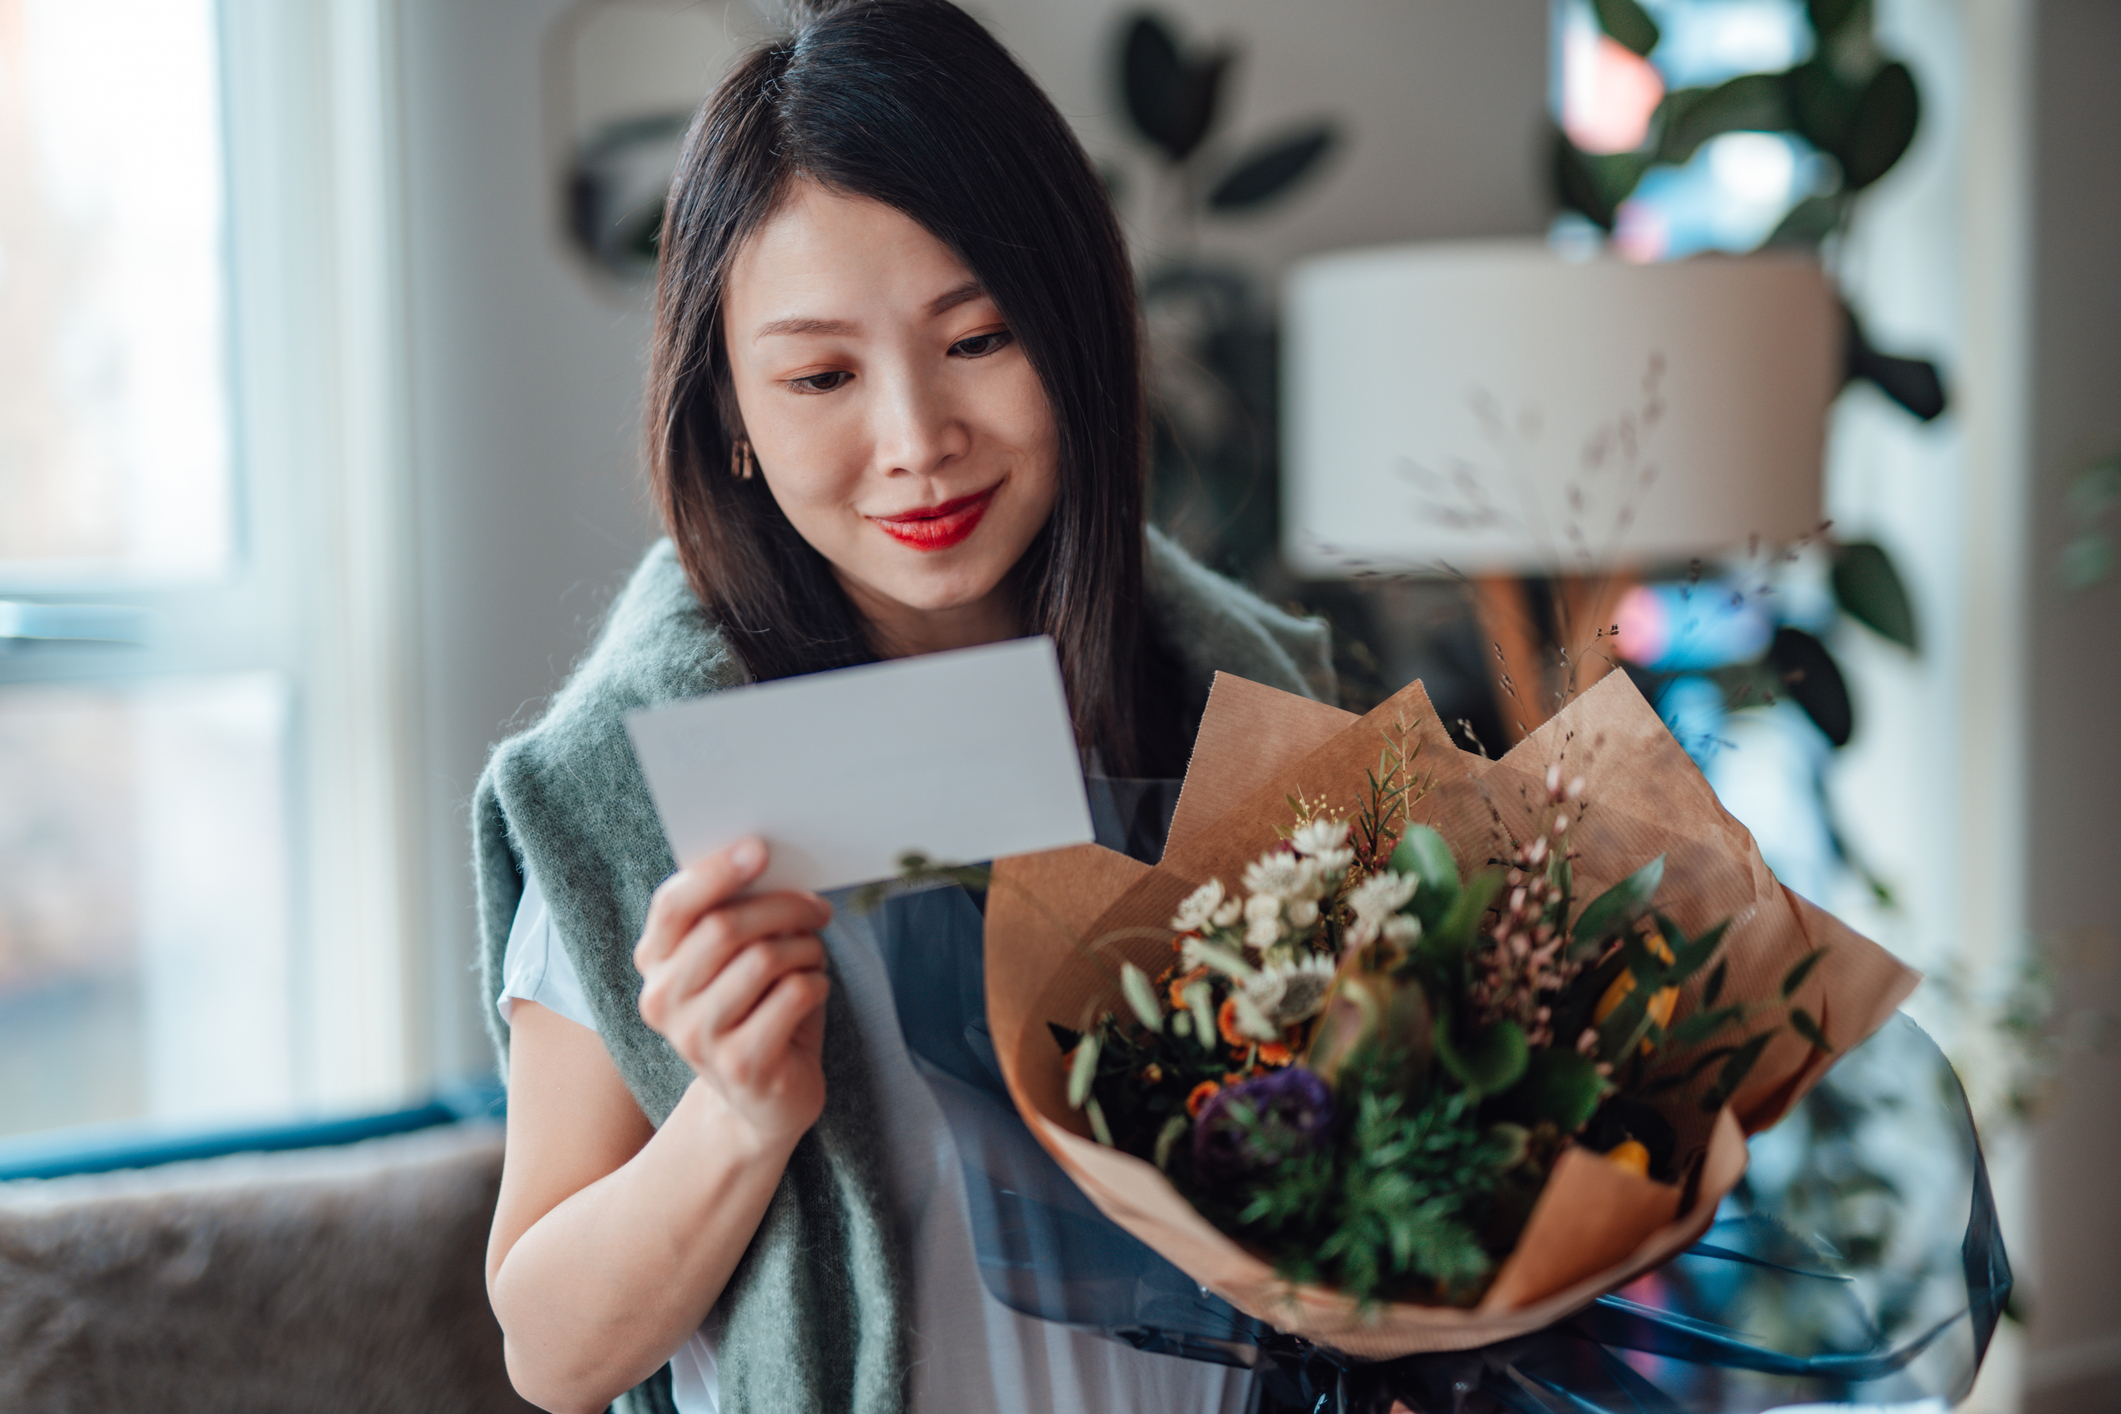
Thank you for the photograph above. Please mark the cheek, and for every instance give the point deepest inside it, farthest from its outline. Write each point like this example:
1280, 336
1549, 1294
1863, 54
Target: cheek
1025, 420
808, 461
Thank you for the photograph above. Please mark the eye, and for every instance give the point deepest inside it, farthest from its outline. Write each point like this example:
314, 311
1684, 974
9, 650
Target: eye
980, 345
820, 382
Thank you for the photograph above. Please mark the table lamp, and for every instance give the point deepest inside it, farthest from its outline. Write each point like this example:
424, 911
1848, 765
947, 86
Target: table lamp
1496, 410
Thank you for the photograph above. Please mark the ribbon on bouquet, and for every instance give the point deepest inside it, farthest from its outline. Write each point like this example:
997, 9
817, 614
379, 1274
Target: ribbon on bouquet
1859, 1260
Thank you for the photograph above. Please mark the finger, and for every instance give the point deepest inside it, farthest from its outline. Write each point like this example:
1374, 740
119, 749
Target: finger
727, 931
730, 998
680, 899
763, 1041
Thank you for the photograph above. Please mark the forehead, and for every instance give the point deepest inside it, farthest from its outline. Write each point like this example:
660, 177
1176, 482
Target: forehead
824, 254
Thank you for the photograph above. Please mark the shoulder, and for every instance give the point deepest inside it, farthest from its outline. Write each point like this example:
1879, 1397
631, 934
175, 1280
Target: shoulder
656, 645
1217, 625
565, 801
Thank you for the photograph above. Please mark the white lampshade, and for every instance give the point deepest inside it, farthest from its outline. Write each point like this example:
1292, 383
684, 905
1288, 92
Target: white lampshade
1495, 407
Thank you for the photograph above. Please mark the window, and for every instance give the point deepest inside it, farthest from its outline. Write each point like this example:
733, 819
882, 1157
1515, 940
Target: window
196, 665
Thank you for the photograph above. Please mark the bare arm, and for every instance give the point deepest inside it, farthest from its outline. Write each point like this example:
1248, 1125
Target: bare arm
612, 1239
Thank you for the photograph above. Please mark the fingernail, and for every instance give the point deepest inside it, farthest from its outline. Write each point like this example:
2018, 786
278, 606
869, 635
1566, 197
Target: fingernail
748, 855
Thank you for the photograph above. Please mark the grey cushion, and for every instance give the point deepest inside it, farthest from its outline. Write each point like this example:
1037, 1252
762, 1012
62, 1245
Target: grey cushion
341, 1279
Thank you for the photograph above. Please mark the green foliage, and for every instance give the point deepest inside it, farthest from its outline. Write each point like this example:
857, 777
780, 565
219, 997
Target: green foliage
1618, 907
1802, 969
1083, 1069
1271, 168
1441, 953
1810, 221
1488, 1062
1828, 16
1747, 103
1802, 1023
1423, 853
1134, 983
1628, 23
1881, 128
1395, 1208
1171, 97
1847, 101
1559, 1087
1812, 678
1594, 184
1868, 588
1736, 1067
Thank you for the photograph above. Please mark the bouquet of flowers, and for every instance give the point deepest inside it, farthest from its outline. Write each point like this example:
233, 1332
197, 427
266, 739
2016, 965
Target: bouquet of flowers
1403, 1049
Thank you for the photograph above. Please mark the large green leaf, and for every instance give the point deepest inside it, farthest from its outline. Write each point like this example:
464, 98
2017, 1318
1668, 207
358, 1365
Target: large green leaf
1628, 23
1868, 586
1424, 854
1748, 103
1558, 1087
1171, 99
1882, 126
1809, 222
1813, 679
1822, 104
1689, 955
1703, 1026
1618, 906
1490, 1061
1271, 169
1443, 947
1594, 185
1828, 16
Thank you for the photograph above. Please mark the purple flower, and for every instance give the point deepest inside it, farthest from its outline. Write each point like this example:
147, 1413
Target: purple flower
1261, 1122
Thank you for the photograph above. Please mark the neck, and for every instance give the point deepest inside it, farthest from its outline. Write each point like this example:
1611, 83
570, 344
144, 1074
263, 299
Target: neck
901, 631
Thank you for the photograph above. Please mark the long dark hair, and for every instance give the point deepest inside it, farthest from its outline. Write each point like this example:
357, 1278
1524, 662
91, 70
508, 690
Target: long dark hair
912, 104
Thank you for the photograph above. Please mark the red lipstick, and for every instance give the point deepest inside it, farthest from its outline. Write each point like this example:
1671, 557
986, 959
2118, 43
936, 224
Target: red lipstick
937, 527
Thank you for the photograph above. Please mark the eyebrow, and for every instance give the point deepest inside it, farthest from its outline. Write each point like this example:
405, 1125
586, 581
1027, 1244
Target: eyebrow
940, 305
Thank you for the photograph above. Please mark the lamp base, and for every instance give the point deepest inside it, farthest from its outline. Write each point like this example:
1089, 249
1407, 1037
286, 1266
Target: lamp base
1550, 639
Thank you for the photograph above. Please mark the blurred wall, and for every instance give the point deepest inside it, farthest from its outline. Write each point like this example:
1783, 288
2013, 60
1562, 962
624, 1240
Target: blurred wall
524, 371
2073, 1361
524, 380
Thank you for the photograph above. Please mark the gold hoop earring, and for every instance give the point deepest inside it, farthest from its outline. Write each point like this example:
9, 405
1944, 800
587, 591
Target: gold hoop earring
741, 463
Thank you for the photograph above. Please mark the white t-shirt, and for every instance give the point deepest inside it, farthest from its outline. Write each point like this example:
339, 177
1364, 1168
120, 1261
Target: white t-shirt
971, 1354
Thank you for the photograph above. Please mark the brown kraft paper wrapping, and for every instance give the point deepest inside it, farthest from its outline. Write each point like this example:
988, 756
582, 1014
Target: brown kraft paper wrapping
1059, 923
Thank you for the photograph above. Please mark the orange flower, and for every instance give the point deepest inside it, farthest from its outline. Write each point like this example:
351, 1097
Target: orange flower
1179, 985
1202, 1093
1275, 1053
1632, 1156
1226, 1022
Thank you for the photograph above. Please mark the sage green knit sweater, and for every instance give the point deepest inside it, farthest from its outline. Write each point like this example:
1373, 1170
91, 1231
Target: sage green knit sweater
812, 1318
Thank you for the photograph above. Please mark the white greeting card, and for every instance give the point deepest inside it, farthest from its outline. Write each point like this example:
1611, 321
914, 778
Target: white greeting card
962, 756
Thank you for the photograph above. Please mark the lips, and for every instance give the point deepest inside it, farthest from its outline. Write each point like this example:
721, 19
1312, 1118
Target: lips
938, 527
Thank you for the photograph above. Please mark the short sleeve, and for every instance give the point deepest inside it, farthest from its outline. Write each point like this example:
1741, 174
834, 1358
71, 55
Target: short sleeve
535, 967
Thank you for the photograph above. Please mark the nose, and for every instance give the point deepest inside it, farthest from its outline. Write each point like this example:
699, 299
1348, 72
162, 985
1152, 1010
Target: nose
918, 428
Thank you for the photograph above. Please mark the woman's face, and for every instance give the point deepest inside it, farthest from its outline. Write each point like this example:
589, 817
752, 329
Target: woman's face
894, 417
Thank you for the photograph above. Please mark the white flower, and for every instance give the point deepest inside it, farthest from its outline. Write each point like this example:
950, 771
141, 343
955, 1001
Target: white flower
1199, 908
1233, 909
1401, 929
1302, 913
1281, 875
1319, 836
1289, 992
1375, 900
1263, 920
1333, 861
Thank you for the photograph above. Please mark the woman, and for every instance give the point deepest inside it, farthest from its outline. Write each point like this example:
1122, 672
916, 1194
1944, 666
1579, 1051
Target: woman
895, 407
